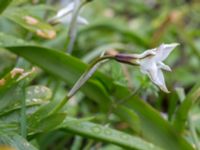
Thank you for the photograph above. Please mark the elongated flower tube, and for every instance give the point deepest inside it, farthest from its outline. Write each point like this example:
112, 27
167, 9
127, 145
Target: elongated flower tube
151, 63
64, 15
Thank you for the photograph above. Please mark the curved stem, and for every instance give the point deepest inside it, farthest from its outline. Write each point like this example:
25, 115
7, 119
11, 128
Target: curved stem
193, 132
23, 121
73, 26
88, 73
82, 80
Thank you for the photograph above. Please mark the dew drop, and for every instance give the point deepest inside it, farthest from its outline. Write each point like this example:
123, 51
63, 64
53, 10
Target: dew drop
108, 132
79, 125
96, 129
125, 137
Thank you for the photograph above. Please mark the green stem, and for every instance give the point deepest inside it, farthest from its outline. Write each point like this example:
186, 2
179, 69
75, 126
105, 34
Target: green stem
73, 26
23, 122
80, 82
87, 74
84, 78
77, 143
88, 145
60, 105
193, 132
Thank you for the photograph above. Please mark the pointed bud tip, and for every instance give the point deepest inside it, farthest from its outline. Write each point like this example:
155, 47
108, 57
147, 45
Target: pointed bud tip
172, 45
168, 69
175, 44
164, 89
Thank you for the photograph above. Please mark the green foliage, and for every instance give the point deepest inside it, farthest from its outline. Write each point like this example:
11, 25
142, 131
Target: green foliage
4, 4
106, 134
117, 108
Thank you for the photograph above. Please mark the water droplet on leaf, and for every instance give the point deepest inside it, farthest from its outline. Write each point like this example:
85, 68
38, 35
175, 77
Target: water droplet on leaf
108, 132
96, 129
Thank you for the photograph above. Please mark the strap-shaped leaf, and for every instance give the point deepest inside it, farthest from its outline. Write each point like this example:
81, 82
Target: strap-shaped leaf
15, 141
106, 134
183, 110
4, 4
24, 18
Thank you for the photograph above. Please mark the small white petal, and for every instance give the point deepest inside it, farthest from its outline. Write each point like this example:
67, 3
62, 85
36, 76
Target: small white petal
65, 10
146, 64
82, 21
146, 53
163, 51
67, 20
162, 84
161, 65
65, 15
155, 74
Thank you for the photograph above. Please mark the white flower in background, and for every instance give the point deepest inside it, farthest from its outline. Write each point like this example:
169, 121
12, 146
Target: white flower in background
153, 64
64, 15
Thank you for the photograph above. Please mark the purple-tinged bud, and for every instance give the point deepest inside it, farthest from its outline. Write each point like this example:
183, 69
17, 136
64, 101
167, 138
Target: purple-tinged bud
127, 58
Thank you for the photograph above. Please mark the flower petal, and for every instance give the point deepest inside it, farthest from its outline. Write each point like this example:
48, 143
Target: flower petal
147, 53
64, 11
156, 76
147, 64
161, 65
153, 74
162, 84
163, 51
82, 21
66, 19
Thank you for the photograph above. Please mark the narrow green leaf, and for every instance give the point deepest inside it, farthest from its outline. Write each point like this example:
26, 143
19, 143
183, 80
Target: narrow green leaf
8, 127
10, 89
106, 134
49, 123
15, 141
4, 4
35, 97
127, 34
43, 118
183, 110
10, 96
7, 62
153, 126
130, 117
32, 23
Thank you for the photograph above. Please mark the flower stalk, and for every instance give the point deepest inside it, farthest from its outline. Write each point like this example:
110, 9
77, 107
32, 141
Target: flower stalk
70, 15
150, 63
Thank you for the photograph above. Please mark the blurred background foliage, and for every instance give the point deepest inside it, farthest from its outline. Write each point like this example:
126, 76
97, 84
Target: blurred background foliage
159, 120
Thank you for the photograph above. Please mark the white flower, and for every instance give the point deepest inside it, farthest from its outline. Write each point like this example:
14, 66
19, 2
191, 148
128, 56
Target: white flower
65, 15
153, 65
